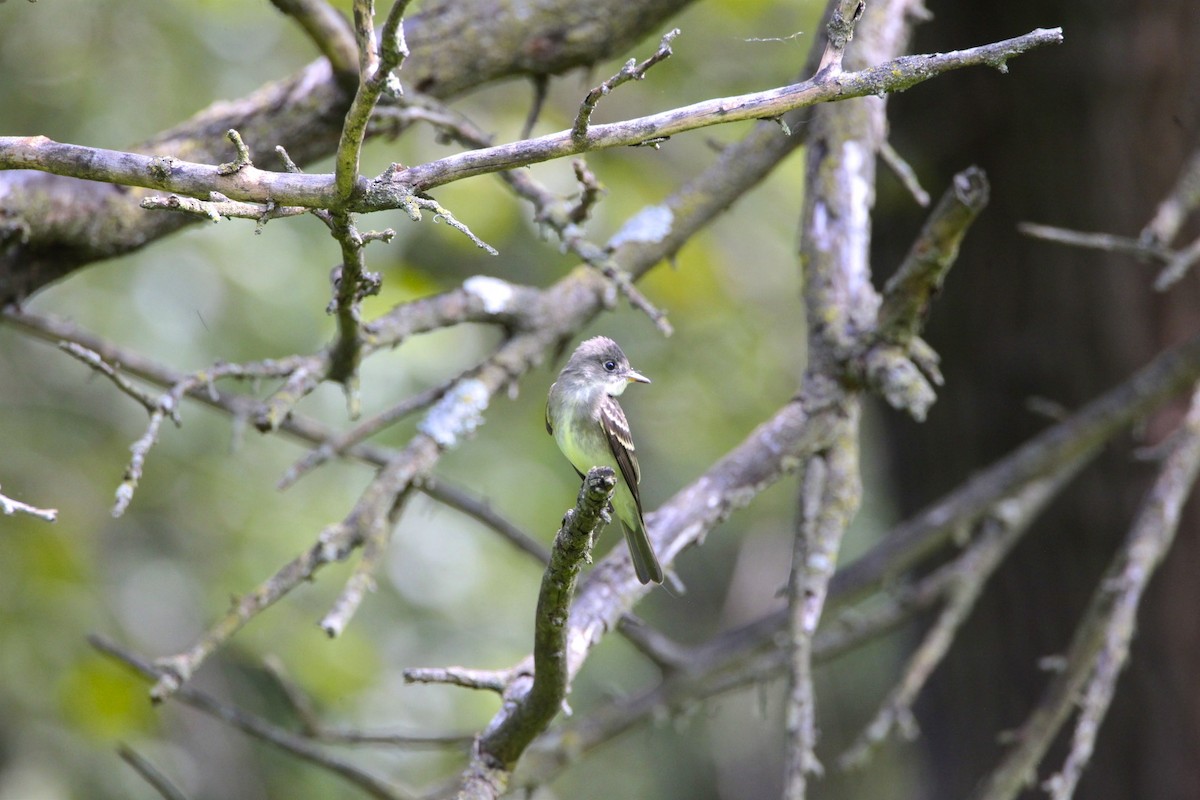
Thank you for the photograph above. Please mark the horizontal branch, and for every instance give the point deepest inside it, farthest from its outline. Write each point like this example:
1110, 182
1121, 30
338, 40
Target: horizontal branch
250, 184
892, 76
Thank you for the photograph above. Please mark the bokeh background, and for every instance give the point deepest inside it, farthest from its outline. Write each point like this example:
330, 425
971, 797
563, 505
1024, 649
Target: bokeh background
208, 523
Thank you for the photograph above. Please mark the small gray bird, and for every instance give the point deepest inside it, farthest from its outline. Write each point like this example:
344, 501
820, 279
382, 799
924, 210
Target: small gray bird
587, 423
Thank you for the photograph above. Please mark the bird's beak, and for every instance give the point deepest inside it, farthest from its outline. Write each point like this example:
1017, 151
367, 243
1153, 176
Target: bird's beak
633, 376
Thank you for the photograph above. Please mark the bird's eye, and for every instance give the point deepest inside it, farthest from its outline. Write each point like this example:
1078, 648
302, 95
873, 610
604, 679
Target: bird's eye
610, 365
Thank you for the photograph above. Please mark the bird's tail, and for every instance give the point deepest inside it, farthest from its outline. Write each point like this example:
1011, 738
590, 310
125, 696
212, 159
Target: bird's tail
644, 561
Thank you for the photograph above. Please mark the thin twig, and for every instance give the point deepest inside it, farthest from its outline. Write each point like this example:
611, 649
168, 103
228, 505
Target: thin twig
904, 173
1183, 198
150, 774
486, 679
315, 729
337, 445
479, 509
362, 580
413, 204
93, 360
219, 207
839, 33
632, 71
1178, 266
1143, 250
259, 728
330, 32
10, 506
541, 83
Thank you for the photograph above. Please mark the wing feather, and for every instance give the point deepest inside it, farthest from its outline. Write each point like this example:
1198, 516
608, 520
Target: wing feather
616, 430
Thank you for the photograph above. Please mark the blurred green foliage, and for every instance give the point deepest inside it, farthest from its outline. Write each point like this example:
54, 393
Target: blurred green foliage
207, 522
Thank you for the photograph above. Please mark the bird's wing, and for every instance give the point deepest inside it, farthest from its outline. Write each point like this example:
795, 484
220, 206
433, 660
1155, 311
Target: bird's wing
616, 430
549, 424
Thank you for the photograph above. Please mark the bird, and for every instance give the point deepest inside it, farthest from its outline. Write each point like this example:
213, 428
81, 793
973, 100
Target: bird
590, 428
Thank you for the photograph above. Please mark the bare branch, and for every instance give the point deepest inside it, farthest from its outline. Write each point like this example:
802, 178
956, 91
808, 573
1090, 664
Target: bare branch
800, 727
1101, 643
902, 367
910, 290
330, 32
1107, 242
1173, 210
363, 578
1178, 266
904, 172
93, 360
259, 728
1079, 436
487, 679
320, 191
838, 33
479, 509
895, 75
218, 207
374, 71
530, 703
337, 445
10, 506
150, 774
632, 71
961, 582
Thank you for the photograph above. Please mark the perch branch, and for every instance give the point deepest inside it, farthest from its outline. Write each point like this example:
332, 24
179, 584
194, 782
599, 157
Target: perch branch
530, 703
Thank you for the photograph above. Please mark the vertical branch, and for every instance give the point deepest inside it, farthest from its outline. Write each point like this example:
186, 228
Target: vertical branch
352, 282
842, 307
531, 702
829, 499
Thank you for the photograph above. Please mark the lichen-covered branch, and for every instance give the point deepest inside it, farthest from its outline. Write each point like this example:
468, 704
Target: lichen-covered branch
56, 225
909, 292
532, 701
321, 191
